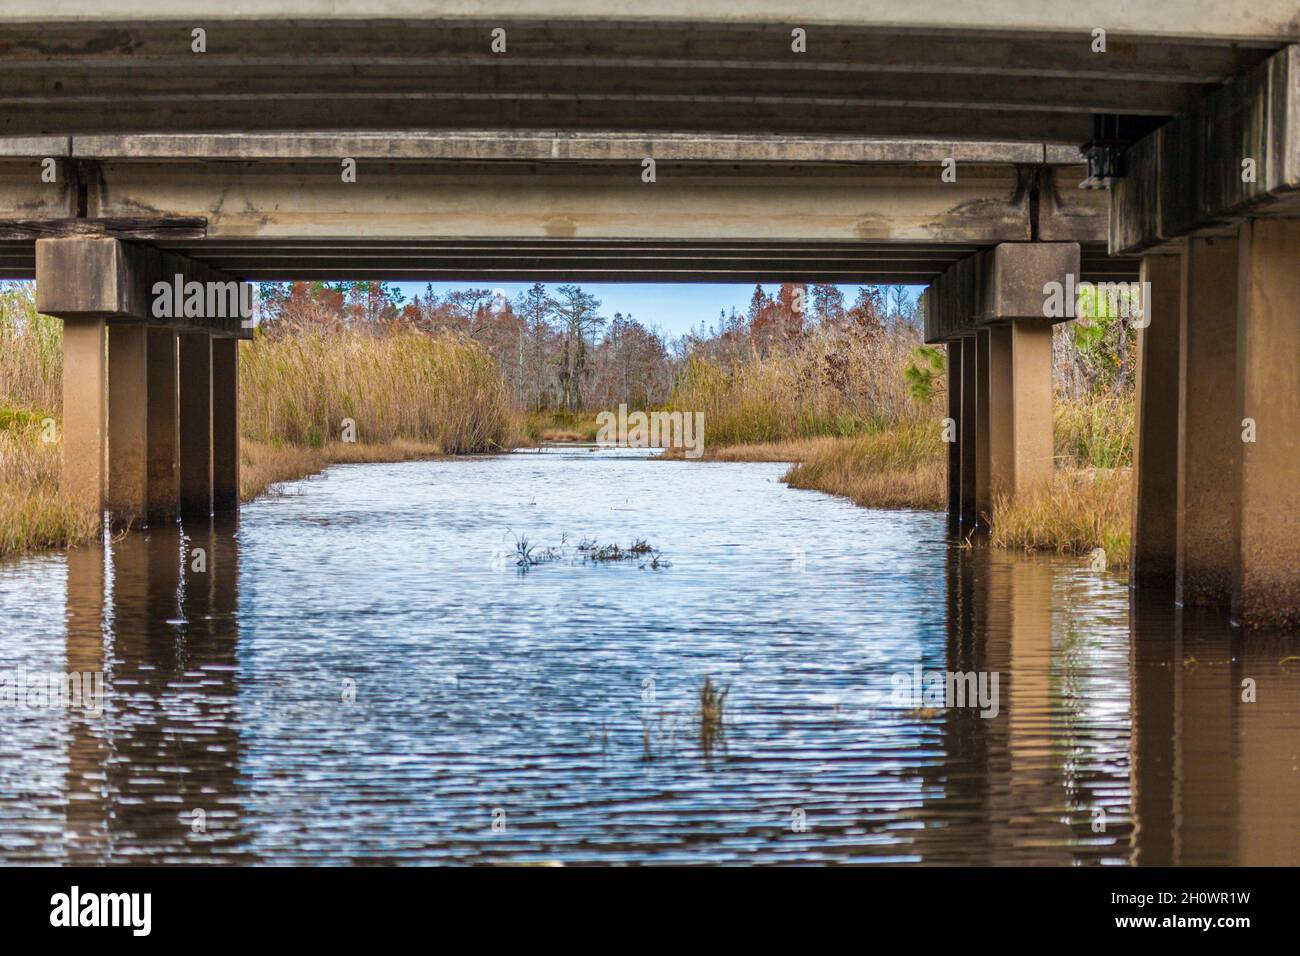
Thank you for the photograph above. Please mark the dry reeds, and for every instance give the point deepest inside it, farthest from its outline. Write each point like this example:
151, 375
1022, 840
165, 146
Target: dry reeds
903, 466
1079, 511
302, 389
840, 382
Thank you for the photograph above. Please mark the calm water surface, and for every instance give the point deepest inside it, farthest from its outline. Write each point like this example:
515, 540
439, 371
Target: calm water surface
362, 674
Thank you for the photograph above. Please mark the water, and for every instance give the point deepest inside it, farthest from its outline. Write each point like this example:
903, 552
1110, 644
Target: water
362, 674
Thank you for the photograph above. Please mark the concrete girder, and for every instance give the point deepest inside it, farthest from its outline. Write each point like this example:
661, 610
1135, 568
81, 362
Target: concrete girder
1000, 284
114, 280
1005, 71
1188, 178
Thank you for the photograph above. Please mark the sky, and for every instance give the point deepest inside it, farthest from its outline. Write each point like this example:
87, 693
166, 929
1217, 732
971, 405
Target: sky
674, 308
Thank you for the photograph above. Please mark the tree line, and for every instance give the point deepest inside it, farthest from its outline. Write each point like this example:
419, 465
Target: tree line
558, 349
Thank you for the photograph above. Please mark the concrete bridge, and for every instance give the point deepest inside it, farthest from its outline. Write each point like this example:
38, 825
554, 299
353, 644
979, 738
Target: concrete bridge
848, 141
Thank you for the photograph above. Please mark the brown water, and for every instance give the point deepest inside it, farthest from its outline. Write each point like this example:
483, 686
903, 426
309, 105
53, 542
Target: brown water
553, 714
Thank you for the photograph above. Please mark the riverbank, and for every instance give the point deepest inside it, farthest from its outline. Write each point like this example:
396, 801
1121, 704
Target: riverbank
1083, 509
309, 399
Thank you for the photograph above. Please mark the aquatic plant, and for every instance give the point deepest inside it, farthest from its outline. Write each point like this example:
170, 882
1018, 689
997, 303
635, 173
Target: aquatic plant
711, 715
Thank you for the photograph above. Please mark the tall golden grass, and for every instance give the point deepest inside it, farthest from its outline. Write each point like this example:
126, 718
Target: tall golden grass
903, 466
1079, 511
1094, 430
408, 396
842, 383
447, 392
31, 355
33, 515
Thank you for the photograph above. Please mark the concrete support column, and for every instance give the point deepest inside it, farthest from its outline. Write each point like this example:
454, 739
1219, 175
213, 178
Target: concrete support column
1209, 430
1155, 445
128, 438
966, 433
954, 447
225, 424
1031, 402
1002, 426
983, 487
196, 423
1266, 588
85, 412
164, 437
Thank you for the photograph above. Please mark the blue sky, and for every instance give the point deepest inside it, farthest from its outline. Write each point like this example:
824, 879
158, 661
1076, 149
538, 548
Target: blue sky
674, 308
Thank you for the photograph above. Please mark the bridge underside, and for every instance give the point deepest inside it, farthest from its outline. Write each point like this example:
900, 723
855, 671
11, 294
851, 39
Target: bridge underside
856, 141
991, 70
565, 207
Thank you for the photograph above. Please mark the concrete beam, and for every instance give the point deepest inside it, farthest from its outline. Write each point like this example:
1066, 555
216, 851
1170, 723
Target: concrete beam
85, 412
225, 424
1264, 20
128, 423
1236, 154
105, 277
997, 285
953, 429
163, 491
969, 427
412, 201
512, 145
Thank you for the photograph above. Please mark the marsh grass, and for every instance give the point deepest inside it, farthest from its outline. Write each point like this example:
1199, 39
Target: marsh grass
841, 383
446, 392
899, 467
1079, 511
711, 715
558, 426
33, 515
1094, 430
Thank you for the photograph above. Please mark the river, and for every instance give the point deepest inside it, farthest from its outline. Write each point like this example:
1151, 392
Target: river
359, 671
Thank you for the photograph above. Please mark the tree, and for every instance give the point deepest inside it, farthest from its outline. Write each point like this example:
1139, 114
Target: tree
577, 312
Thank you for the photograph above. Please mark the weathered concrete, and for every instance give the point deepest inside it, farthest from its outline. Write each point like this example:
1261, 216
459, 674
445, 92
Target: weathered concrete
99, 275
128, 434
225, 424
983, 478
1154, 544
1267, 586
163, 495
85, 412
196, 424
1189, 176
992, 304
1031, 402
996, 70
515, 145
1003, 283
1001, 414
1209, 429
954, 370
969, 442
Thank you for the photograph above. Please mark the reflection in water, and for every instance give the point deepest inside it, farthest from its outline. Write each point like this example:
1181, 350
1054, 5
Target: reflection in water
358, 672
